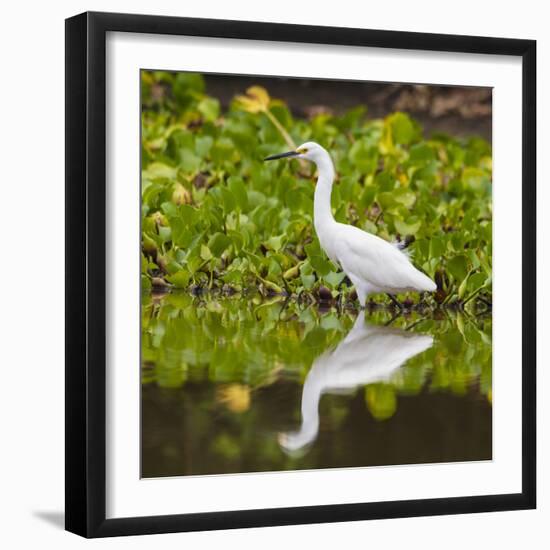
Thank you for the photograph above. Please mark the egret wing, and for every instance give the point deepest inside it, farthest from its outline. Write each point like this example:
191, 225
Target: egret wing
378, 262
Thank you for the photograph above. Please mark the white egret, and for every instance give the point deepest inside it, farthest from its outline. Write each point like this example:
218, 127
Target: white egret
367, 354
372, 264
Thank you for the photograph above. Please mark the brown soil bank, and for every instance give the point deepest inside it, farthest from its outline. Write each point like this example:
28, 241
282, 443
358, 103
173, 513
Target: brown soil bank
457, 110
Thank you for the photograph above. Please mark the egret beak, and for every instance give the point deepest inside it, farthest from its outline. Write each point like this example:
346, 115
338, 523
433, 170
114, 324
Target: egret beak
283, 155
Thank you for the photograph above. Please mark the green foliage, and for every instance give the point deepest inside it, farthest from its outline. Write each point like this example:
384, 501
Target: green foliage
215, 215
255, 342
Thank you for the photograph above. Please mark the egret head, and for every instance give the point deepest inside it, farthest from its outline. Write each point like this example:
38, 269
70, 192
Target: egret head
309, 151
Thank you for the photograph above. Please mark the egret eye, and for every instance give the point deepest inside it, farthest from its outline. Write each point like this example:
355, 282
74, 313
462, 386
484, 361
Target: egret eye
302, 150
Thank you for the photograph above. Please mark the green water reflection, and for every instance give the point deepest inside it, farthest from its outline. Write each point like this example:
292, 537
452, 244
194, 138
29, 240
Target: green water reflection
244, 385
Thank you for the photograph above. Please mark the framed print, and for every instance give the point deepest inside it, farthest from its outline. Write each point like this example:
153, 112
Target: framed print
291, 252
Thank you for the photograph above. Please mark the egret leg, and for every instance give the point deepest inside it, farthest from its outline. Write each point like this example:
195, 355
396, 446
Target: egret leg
394, 317
360, 288
395, 300
410, 327
362, 295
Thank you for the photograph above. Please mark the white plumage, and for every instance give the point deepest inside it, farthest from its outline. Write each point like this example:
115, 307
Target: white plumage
371, 263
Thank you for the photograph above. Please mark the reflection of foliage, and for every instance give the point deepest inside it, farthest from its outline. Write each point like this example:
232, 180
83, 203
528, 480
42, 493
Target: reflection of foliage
222, 376
215, 215
235, 396
381, 400
247, 345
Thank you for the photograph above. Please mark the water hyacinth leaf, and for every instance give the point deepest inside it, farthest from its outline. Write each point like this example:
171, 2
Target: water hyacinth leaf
308, 281
189, 162
313, 248
321, 265
172, 266
238, 189
179, 279
187, 87
233, 276
148, 244
458, 267
144, 263
437, 247
306, 275
209, 108
180, 140
474, 178
218, 243
421, 153
363, 156
205, 253
368, 195
145, 283
399, 129
407, 228
457, 242
477, 281
386, 200
274, 268
275, 243
188, 214
334, 278
223, 150
182, 236
331, 322
203, 144
159, 170
476, 149
346, 188
370, 227
306, 268
422, 248
229, 202
165, 233
470, 220
403, 131
463, 286
237, 240
384, 181
404, 197
170, 209
473, 259
352, 117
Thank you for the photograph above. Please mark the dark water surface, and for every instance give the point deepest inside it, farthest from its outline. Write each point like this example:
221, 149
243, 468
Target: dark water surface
242, 385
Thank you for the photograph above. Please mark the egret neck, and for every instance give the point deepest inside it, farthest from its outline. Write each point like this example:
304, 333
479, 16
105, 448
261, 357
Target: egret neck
322, 212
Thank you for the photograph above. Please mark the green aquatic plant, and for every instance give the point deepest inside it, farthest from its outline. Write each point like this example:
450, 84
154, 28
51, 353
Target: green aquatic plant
214, 216
224, 382
254, 343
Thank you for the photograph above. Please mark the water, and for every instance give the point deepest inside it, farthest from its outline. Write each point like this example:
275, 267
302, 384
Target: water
243, 385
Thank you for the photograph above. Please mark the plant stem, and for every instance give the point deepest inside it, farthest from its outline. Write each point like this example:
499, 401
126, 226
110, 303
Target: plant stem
286, 136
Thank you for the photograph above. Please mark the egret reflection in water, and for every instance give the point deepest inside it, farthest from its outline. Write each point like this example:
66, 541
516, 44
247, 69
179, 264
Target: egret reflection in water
222, 380
368, 354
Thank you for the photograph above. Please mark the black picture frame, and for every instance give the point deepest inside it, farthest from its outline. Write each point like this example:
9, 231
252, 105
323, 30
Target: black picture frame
86, 274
